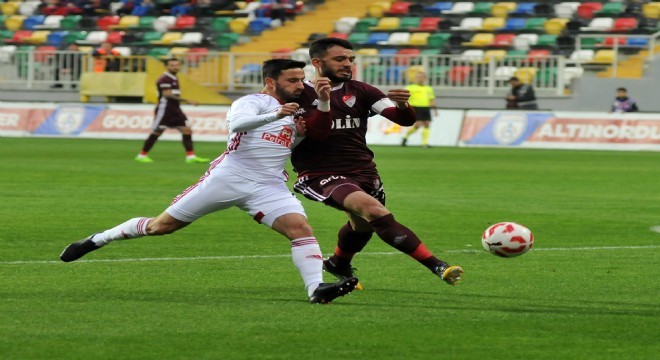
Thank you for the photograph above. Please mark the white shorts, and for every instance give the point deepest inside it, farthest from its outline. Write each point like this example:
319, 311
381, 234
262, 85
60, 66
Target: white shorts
220, 189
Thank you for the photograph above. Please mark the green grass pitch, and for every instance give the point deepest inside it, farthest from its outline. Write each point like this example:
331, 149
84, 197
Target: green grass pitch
225, 287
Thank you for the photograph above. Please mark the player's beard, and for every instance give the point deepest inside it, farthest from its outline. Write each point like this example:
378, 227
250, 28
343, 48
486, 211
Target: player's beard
334, 78
285, 96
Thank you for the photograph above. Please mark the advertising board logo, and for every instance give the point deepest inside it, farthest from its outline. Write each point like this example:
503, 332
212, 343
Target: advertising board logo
509, 127
69, 119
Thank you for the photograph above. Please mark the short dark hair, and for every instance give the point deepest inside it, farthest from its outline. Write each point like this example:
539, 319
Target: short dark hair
172, 59
273, 68
320, 47
513, 78
622, 89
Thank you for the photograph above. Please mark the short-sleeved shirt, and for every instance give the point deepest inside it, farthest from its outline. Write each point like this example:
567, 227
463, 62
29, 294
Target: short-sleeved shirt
168, 111
345, 151
420, 95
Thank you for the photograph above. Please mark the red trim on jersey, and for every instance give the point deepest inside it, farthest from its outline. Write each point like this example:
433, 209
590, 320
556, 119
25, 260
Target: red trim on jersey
259, 216
235, 141
206, 174
403, 117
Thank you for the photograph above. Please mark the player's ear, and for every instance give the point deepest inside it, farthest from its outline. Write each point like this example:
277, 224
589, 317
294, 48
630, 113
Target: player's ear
269, 82
316, 62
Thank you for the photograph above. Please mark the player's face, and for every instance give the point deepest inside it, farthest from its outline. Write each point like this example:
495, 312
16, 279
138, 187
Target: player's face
289, 85
173, 67
337, 64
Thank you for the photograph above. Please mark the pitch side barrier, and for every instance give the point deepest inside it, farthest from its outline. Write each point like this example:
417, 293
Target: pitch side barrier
449, 127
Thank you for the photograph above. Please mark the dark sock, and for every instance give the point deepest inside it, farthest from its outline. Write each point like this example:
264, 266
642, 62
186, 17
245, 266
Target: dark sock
149, 143
404, 240
349, 243
187, 143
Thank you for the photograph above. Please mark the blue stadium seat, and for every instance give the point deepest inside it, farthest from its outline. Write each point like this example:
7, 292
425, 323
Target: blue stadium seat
638, 42
57, 38
377, 37
514, 24
524, 8
438, 8
32, 21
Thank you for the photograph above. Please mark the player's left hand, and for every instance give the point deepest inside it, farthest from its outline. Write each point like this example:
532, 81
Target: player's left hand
301, 125
322, 87
399, 96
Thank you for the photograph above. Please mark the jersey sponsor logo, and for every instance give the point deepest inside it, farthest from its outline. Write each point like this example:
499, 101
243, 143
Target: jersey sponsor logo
349, 100
316, 102
284, 138
346, 123
330, 179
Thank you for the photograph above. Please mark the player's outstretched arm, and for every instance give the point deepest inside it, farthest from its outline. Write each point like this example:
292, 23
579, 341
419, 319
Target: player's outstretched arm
402, 114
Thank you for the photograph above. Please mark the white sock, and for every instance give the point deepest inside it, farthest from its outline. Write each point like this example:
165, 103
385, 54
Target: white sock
133, 228
307, 257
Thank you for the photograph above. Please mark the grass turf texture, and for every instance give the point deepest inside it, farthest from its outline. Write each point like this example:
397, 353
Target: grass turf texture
245, 299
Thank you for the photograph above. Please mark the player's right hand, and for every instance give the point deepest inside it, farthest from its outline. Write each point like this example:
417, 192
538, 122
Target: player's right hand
287, 110
322, 88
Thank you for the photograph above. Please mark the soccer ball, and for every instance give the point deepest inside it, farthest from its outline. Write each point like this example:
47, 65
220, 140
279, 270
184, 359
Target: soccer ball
507, 239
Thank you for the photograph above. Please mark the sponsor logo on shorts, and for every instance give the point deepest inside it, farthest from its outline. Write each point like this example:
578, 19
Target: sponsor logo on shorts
331, 178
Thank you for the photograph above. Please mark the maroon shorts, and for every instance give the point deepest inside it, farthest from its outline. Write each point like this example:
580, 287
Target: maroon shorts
333, 189
169, 117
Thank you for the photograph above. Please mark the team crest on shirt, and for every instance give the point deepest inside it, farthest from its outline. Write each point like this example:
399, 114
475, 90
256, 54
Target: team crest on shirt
349, 100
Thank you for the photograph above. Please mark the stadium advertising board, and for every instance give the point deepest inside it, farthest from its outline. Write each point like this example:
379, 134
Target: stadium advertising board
562, 130
445, 129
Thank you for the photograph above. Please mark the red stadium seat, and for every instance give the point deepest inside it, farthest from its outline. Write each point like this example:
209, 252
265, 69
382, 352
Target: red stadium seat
195, 55
538, 54
611, 40
339, 35
20, 36
115, 37
429, 23
459, 74
283, 53
504, 39
399, 8
107, 22
586, 10
405, 56
44, 53
185, 22
625, 24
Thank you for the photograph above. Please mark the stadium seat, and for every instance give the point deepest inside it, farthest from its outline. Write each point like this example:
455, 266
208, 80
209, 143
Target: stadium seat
603, 57
107, 22
226, 40
14, 22
220, 24
429, 24
51, 22
338, 35
185, 22
473, 55
469, 23
525, 41
438, 40
32, 22
399, 8
147, 22
376, 38
367, 51
651, 10
115, 37
481, 40
358, 37
461, 7
547, 40
503, 9
419, 39
239, 25
96, 37
625, 24
38, 37
566, 10
7, 52
535, 24
555, 26
641, 42
590, 42
123, 50
581, 56
44, 53
169, 38
538, 54
493, 23
459, 74
504, 40
259, 25
494, 54
409, 22
191, 38
56, 38
398, 38
158, 52
516, 55
610, 41
10, 7
438, 7
74, 36
406, 56
345, 24
586, 10
514, 24
71, 22
482, 8
524, 8
611, 8
127, 22
504, 73
387, 23
365, 24
599, 24
526, 74
378, 9
19, 36
164, 23
177, 51
196, 54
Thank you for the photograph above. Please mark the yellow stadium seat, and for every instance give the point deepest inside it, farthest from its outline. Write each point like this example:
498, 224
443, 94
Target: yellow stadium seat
14, 22
494, 54
419, 39
367, 51
169, 38
238, 25
493, 23
502, 9
38, 37
481, 40
603, 57
526, 74
178, 51
378, 9
555, 26
651, 10
9, 8
412, 71
127, 21
387, 23
86, 49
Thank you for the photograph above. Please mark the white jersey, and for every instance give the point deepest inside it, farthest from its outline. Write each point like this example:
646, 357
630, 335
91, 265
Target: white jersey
259, 144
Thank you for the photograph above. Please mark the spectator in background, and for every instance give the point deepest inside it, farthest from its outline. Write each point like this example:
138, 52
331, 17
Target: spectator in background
145, 8
106, 58
521, 96
280, 10
67, 67
622, 103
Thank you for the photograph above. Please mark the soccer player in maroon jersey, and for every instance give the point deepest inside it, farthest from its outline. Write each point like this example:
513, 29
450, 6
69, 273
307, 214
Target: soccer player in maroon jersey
168, 114
339, 170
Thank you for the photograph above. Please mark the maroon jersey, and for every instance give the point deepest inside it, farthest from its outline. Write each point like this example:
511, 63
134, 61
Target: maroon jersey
345, 151
168, 113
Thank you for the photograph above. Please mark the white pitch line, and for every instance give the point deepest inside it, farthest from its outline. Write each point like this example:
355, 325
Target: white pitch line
231, 257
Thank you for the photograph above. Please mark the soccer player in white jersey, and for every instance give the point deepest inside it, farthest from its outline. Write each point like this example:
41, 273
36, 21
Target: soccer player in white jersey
250, 175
